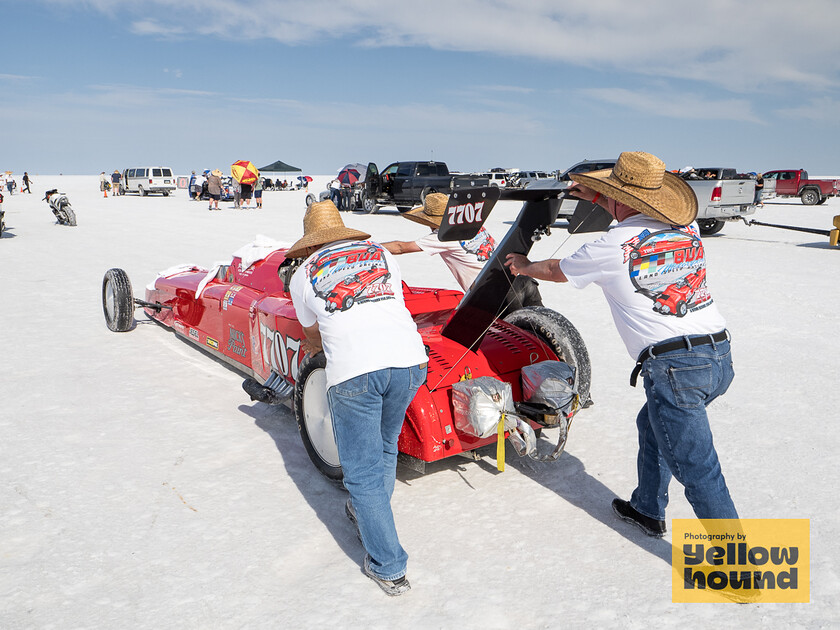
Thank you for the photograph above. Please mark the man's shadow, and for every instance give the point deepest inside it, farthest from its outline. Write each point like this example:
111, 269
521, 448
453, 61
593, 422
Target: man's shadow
567, 477
324, 496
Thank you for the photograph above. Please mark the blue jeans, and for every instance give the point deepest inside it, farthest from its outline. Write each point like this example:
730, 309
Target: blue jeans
368, 413
674, 433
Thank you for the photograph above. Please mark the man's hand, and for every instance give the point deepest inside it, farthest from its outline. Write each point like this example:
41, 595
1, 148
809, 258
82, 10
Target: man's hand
517, 263
541, 269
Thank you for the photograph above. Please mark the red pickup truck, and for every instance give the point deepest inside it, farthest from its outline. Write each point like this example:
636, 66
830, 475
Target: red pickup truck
795, 183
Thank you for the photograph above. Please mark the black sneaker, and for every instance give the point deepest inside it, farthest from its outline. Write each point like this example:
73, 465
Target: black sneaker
391, 587
649, 526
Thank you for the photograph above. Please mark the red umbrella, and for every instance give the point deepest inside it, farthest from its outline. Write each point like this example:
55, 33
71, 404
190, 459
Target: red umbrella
348, 176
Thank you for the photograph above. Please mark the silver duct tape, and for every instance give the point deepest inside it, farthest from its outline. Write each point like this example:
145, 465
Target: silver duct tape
550, 383
479, 404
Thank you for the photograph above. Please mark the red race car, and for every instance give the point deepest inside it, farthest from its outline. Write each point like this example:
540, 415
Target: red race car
242, 314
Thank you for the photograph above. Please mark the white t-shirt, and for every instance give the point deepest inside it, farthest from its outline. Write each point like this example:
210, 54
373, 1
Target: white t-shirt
654, 278
353, 290
465, 259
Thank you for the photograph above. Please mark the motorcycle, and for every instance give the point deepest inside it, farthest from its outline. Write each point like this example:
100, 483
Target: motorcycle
60, 207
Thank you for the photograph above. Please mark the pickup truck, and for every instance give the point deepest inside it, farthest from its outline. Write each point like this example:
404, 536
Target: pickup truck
722, 195
406, 184
795, 183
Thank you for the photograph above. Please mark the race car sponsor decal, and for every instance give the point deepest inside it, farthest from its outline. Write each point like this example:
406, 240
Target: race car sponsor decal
212, 343
227, 300
353, 273
482, 245
236, 342
194, 333
669, 267
281, 352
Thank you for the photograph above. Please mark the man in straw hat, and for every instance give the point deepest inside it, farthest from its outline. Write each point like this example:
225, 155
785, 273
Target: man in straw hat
348, 298
465, 259
214, 189
652, 270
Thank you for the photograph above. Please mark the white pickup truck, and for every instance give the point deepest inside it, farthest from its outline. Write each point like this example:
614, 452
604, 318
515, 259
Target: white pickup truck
722, 195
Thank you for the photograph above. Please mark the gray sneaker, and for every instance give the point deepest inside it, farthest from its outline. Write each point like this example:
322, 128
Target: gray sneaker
391, 587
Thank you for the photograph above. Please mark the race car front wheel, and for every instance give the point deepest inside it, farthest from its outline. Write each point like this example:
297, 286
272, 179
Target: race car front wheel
314, 420
117, 300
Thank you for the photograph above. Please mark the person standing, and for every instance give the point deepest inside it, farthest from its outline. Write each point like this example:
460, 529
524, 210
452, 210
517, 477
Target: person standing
26, 182
759, 186
375, 363
258, 192
465, 259
246, 194
103, 184
652, 270
115, 183
237, 194
214, 189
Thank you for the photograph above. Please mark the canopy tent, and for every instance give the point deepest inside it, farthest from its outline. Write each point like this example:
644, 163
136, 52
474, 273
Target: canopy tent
280, 167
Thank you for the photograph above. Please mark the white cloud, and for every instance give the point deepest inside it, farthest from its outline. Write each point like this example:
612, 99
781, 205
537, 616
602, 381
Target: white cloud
681, 105
821, 110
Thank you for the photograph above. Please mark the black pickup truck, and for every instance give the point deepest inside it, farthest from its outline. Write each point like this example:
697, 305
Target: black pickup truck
406, 184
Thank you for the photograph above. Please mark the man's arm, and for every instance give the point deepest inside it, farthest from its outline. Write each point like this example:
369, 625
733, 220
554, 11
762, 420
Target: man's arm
401, 247
541, 269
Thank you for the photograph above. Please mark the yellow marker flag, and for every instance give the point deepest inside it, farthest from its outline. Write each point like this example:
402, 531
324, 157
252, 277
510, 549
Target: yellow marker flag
500, 446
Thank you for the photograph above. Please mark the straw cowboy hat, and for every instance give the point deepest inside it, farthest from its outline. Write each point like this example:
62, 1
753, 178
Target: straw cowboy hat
217, 173
322, 224
431, 212
639, 180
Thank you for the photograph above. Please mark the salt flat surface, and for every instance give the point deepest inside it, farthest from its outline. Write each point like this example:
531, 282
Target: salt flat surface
140, 488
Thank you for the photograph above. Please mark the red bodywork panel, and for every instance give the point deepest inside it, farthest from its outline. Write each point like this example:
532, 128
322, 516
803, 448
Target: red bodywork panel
248, 320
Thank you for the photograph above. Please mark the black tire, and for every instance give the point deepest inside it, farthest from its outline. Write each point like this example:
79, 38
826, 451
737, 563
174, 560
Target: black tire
810, 197
313, 417
559, 333
427, 190
69, 215
369, 205
710, 226
117, 300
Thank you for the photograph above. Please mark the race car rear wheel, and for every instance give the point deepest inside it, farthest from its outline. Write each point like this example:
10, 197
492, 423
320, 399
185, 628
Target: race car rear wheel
559, 333
314, 420
117, 300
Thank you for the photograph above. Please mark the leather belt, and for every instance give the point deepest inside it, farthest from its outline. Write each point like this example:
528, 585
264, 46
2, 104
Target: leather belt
688, 342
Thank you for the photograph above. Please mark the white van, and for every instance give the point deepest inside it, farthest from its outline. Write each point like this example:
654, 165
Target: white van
149, 179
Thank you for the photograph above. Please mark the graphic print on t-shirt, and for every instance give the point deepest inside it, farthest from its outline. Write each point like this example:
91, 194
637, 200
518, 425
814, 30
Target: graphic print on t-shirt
669, 267
348, 274
482, 245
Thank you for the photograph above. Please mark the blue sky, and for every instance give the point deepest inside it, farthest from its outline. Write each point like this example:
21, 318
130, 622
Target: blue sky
103, 84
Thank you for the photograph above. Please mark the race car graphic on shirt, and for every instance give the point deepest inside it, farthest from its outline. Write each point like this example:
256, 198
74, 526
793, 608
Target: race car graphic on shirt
669, 267
348, 274
482, 245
